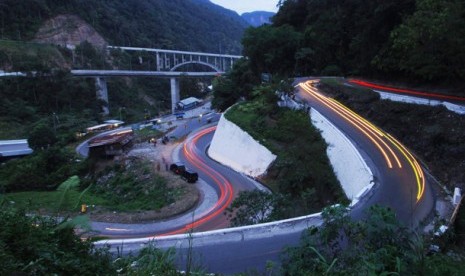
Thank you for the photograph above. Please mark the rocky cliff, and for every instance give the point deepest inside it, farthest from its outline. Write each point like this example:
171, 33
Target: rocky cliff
68, 31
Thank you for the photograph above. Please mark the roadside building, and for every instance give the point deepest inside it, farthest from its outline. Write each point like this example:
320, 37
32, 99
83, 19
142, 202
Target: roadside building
10, 149
107, 125
110, 145
188, 103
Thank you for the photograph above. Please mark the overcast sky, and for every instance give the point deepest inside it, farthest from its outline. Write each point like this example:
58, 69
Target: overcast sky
241, 6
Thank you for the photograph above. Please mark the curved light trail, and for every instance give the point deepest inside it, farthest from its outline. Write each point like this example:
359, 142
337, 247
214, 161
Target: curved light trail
225, 187
385, 143
406, 91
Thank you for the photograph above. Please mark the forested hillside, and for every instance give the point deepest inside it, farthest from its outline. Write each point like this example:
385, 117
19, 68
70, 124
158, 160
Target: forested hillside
196, 25
171, 24
414, 40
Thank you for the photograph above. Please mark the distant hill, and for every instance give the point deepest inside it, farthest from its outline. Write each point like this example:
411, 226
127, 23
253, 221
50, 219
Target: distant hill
257, 18
195, 25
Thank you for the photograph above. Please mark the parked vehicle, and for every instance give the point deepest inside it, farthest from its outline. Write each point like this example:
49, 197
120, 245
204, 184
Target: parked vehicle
188, 103
178, 168
190, 176
179, 115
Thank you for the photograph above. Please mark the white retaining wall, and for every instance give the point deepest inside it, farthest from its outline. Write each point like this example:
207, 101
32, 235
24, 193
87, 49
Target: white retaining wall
351, 170
235, 148
349, 166
459, 109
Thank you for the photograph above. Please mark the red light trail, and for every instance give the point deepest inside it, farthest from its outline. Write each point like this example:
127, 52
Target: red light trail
405, 91
226, 190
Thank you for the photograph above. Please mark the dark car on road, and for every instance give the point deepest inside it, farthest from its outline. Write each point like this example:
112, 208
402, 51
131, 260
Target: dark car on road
177, 168
190, 176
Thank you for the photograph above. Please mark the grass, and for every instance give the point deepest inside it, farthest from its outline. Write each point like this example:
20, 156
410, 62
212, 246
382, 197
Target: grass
26, 55
133, 186
50, 200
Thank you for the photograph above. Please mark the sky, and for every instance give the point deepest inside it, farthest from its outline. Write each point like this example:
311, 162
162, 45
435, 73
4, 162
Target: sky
241, 6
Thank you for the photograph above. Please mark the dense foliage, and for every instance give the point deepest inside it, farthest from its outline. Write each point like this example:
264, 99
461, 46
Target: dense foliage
412, 40
41, 246
376, 245
31, 245
133, 186
43, 171
234, 85
256, 206
171, 24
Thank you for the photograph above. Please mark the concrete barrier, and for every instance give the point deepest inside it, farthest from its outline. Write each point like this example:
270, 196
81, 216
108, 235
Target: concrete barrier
235, 148
347, 163
459, 109
236, 234
351, 170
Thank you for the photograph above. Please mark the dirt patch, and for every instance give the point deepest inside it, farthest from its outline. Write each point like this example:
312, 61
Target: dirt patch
160, 157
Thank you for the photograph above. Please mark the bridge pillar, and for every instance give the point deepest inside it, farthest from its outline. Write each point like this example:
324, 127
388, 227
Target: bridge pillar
102, 93
175, 90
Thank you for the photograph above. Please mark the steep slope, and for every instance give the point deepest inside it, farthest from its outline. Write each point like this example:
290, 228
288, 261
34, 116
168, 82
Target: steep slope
182, 24
68, 30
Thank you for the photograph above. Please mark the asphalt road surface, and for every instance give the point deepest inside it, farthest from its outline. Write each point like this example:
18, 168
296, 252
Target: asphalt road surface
400, 185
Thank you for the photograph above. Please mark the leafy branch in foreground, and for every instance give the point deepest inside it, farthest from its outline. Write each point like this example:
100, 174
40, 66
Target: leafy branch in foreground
375, 245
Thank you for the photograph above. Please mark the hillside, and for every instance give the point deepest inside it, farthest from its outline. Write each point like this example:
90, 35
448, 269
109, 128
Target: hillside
33, 25
171, 24
416, 41
257, 18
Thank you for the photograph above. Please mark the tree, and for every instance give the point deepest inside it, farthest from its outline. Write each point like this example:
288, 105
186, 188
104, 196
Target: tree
40, 246
252, 207
42, 137
234, 85
272, 49
375, 245
428, 45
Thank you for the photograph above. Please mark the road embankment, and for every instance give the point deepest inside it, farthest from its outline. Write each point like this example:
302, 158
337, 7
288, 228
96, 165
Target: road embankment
351, 170
235, 148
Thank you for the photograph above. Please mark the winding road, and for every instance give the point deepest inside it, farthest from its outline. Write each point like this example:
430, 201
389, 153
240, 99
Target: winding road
220, 183
401, 184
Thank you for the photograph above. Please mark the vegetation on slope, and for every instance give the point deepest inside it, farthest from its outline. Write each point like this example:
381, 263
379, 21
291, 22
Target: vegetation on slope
413, 40
301, 173
169, 24
376, 245
31, 245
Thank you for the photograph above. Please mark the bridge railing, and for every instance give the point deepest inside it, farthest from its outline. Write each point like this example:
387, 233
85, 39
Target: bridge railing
170, 60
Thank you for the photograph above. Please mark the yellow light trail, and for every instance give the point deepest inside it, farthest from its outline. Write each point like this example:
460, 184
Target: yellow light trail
358, 122
415, 166
355, 121
370, 127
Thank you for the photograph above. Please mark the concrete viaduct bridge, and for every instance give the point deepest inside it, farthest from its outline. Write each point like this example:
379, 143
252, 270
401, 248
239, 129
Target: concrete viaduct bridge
167, 62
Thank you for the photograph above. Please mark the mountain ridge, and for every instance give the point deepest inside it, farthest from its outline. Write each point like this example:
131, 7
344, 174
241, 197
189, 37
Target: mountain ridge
171, 24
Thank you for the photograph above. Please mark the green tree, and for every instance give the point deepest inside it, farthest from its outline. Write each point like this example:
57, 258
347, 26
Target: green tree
271, 49
429, 44
42, 137
252, 207
234, 85
375, 245
39, 246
